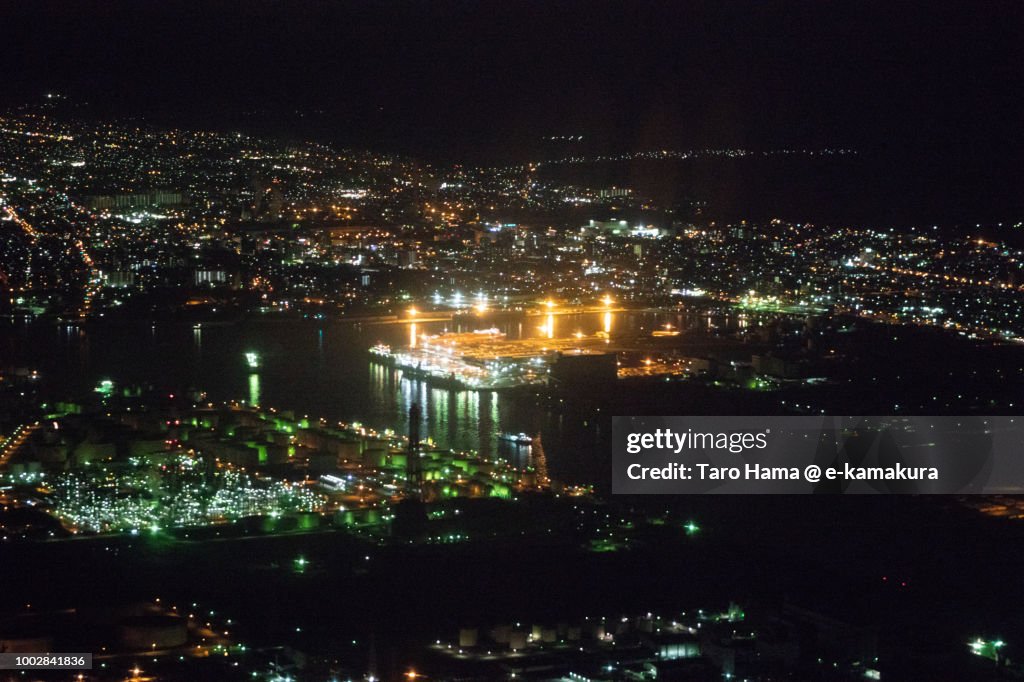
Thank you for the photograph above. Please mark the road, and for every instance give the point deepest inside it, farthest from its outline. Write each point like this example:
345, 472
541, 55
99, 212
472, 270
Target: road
10, 446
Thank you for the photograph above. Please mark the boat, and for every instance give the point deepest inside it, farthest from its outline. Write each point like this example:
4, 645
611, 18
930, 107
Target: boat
517, 438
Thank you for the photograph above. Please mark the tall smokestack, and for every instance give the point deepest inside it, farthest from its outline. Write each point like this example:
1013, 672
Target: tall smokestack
414, 474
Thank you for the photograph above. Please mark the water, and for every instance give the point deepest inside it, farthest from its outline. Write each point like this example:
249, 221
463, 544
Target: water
323, 370
757, 551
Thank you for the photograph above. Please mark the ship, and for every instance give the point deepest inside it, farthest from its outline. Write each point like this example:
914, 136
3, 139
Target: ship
517, 438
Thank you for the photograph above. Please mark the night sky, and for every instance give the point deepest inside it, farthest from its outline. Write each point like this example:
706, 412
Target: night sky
941, 82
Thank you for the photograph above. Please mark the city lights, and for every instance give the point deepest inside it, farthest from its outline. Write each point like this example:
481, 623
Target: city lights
320, 324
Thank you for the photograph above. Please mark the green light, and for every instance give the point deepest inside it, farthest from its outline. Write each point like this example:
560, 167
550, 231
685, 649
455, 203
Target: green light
253, 360
985, 648
691, 528
254, 389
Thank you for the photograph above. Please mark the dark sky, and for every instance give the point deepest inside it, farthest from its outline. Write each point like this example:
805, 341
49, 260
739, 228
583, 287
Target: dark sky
470, 79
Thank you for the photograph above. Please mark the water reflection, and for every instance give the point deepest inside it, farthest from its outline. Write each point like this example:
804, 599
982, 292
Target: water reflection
323, 369
548, 328
254, 389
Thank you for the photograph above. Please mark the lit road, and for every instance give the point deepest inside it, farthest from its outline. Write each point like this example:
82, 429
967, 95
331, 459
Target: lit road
13, 217
15, 441
952, 279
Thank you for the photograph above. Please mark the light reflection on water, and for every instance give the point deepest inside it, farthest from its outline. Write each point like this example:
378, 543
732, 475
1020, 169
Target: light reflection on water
324, 370
254, 389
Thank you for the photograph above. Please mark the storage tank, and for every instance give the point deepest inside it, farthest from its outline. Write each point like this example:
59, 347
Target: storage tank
501, 633
468, 637
517, 640
346, 451
374, 457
